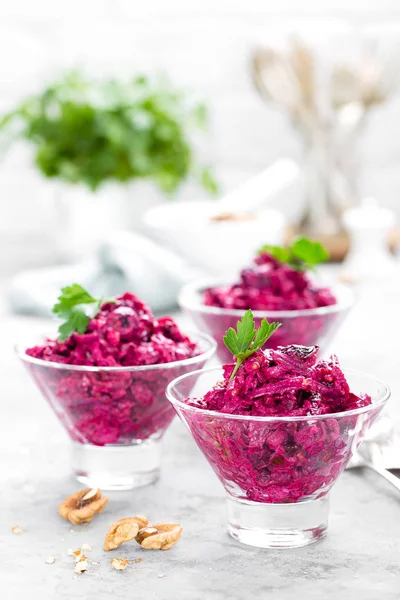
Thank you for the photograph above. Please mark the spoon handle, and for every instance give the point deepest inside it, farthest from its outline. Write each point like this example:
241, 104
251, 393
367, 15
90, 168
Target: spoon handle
384, 473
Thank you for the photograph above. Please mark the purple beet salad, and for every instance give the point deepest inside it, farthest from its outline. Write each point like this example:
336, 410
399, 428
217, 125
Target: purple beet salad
270, 285
124, 333
279, 284
287, 382
111, 402
297, 454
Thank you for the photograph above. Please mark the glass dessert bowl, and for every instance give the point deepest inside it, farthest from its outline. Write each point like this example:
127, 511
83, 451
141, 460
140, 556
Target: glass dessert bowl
116, 414
278, 470
289, 292
307, 327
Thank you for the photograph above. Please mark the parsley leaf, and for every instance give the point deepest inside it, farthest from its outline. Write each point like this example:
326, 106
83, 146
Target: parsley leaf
247, 339
302, 255
76, 307
280, 253
308, 252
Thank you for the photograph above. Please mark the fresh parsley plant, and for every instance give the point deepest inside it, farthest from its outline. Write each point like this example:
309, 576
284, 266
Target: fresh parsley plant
89, 132
75, 307
303, 254
246, 340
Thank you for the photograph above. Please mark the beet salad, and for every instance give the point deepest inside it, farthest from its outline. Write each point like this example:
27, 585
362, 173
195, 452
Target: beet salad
296, 455
276, 281
111, 402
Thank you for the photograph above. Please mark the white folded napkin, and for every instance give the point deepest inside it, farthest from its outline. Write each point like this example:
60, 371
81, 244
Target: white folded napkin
125, 261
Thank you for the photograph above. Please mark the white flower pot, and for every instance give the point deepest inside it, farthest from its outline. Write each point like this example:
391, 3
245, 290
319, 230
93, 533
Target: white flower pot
83, 219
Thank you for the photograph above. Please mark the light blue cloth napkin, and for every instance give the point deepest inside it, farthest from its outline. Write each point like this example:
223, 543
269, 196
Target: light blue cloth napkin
125, 261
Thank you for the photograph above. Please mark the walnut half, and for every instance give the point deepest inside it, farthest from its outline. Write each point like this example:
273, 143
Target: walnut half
82, 506
123, 530
161, 536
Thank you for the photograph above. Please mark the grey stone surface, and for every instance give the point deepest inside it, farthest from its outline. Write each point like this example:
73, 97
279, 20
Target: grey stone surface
360, 558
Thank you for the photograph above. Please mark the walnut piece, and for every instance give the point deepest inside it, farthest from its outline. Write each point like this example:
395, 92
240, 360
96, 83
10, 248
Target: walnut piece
81, 566
86, 548
79, 555
82, 506
123, 530
75, 553
17, 529
161, 536
119, 564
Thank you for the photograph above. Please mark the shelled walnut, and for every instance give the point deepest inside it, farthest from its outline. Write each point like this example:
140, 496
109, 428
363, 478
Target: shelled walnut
124, 530
82, 506
161, 536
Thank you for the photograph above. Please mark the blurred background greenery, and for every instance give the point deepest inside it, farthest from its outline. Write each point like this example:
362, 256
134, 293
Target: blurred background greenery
90, 132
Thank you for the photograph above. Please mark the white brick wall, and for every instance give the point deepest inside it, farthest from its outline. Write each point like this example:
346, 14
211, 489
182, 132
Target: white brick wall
203, 44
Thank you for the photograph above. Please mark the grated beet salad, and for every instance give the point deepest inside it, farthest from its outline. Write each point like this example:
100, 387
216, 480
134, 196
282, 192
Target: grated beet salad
270, 285
278, 461
109, 407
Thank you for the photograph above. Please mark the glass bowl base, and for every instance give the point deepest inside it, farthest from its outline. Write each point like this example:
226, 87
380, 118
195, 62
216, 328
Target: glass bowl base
117, 467
277, 525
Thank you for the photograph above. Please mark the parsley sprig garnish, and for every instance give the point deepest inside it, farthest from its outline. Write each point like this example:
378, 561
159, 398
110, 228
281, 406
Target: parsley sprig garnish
247, 339
76, 307
303, 254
